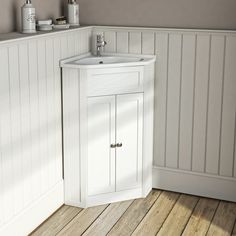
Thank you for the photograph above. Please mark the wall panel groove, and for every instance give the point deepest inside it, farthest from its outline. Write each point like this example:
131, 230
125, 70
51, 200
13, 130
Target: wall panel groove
173, 93
180, 96
161, 49
200, 107
228, 108
166, 95
122, 42
207, 99
193, 97
186, 103
222, 99
214, 104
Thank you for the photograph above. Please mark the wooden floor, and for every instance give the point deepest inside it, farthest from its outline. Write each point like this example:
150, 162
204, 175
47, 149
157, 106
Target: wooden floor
161, 213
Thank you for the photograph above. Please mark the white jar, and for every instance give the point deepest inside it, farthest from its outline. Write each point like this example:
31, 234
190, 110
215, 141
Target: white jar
28, 18
73, 12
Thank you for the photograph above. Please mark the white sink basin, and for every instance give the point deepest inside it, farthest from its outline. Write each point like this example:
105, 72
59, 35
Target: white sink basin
106, 60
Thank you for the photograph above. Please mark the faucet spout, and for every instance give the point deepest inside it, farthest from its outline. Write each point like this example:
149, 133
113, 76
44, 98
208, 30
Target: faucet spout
101, 43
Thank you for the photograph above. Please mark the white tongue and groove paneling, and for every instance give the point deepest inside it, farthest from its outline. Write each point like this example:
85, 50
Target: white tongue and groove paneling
162, 51
25, 123
111, 41
173, 97
64, 47
215, 104
6, 160
135, 42
200, 103
227, 157
34, 116
50, 108
186, 101
58, 110
15, 123
42, 97
122, 42
30, 127
195, 106
148, 43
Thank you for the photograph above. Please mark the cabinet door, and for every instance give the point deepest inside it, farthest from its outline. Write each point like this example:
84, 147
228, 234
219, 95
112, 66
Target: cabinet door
101, 134
129, 135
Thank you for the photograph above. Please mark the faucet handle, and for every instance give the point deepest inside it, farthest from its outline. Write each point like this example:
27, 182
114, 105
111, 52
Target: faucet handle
100, 38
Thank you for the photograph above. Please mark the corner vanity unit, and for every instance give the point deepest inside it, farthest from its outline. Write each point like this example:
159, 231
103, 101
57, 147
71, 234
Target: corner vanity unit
108, 105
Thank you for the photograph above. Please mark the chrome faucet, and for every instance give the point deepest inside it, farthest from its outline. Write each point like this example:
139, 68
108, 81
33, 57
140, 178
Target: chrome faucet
101, 43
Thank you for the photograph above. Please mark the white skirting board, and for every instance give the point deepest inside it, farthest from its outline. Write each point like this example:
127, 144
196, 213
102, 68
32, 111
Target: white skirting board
195, 183
25, 222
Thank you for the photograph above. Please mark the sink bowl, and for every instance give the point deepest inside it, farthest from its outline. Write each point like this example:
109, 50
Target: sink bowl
107, 60
91, 60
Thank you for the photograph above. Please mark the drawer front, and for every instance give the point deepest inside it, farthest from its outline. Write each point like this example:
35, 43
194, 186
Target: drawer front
115, 81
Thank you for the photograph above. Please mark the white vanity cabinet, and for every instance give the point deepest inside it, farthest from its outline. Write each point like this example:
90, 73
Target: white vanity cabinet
115, 133
107, 131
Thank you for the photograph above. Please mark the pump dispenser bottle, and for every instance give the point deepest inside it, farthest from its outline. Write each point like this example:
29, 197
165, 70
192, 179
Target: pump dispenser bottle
28, 18
73, 12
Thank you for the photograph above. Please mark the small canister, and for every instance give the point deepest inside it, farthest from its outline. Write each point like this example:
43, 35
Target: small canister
28, 18
73, 12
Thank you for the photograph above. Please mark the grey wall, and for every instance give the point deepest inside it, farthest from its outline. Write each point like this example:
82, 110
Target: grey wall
10, 12
217, 14
212, 14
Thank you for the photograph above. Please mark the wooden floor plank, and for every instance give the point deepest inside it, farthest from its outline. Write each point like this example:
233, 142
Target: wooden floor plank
108, 218
224, 219
234, 230
201, 218
57, 221
82, 221
154, 219
134, 214
179, 216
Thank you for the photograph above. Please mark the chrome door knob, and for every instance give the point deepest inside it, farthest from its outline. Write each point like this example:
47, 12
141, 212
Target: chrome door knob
119, 144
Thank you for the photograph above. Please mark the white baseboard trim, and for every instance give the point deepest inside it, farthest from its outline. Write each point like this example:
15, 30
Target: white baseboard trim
205, 185
29, 219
